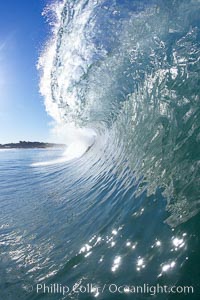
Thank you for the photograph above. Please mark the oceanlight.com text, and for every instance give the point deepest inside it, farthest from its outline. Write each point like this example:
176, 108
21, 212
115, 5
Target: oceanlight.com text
112, 288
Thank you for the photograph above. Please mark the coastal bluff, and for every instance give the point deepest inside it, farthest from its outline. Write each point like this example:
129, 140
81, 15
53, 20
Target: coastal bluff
30, 145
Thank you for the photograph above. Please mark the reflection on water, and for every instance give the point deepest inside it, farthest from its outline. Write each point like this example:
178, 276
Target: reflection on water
52, 233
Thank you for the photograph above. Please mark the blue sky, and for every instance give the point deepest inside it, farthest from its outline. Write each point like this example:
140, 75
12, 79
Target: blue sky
23, 32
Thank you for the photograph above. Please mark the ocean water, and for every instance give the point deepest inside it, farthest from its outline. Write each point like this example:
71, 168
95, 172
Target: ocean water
119, 209
80, 222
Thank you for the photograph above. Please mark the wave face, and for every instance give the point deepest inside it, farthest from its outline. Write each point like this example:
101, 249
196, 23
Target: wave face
130, 71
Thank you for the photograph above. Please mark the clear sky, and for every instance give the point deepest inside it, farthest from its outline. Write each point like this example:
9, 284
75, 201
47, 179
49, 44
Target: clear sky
23, 32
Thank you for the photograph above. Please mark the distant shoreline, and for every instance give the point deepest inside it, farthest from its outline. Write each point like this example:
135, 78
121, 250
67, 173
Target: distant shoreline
30, 145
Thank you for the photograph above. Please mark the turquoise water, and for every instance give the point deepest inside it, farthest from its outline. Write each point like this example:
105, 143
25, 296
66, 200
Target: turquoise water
120, 207
81, 222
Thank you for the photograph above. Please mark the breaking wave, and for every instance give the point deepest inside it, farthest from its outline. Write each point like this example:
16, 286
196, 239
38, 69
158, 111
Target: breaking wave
129, 71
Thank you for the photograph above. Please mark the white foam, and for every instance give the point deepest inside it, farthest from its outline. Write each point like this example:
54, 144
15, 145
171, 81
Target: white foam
82, 141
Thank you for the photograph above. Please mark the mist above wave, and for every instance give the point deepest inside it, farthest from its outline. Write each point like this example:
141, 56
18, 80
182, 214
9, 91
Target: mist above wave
79, 142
